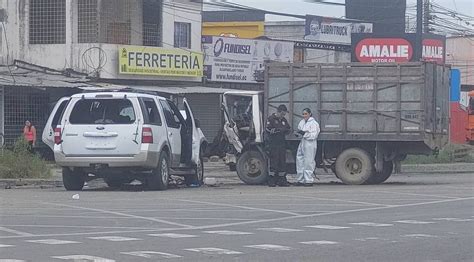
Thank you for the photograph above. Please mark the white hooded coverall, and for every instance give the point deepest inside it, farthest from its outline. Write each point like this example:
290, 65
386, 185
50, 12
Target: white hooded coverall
305, 157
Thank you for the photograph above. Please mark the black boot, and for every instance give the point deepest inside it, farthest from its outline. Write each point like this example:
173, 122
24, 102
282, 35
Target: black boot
271, 181
283, 182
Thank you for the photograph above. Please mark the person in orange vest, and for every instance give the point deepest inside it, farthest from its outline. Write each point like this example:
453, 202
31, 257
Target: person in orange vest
29, 133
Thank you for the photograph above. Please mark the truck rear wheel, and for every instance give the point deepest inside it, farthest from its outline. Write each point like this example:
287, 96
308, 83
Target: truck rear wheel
73, 180
252, 168
380, 177
354, 166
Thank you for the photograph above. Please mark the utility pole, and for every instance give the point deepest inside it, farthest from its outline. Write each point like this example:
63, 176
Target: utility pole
419, 30
426, 16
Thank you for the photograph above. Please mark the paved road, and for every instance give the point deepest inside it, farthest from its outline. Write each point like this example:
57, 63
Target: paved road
416, 217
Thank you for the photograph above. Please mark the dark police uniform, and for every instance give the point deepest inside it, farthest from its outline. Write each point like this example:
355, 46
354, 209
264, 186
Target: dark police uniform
277, 128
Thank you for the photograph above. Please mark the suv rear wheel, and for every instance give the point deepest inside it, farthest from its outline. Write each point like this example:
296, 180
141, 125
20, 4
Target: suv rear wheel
198, 177
160, 176
73, 180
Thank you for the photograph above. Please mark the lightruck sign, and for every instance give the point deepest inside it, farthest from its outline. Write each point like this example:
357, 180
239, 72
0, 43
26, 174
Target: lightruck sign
155, 61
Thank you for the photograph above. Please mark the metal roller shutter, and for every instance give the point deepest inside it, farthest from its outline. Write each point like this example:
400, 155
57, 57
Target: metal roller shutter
206, 108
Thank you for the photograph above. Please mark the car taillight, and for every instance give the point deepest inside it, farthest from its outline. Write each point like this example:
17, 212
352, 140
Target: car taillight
147, 135
57, 136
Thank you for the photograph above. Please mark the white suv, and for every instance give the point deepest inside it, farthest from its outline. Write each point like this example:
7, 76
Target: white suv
123, 136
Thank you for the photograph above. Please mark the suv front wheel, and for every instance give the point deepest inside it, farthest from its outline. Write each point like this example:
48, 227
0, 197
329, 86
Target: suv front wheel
160, 176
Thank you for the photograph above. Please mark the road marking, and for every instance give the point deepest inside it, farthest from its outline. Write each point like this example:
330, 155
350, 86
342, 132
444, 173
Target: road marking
327, 227
122, 214
214, 251
279, 229
1, 245
11, 260
228, 232
16, 232
238, 206
319, 242
115, 238
341, 200
259, 221
53, 241
150, 254
414, 194
371, 224
367, 239
453, 219
84, 258
421, 236
271, 247
415, 222
172, 235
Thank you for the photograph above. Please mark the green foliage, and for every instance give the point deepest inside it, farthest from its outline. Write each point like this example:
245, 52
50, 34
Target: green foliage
449, 154
18, 162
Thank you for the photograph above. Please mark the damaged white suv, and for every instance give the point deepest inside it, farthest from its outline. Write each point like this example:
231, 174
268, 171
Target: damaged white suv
123, 136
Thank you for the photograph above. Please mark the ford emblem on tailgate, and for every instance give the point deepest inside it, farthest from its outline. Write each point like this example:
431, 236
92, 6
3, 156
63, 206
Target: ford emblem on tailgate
100, 128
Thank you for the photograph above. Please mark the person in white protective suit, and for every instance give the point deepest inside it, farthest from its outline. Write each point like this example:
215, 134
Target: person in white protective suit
308, 130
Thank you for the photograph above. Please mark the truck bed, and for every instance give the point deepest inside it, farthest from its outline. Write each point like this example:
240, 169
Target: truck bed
365, 102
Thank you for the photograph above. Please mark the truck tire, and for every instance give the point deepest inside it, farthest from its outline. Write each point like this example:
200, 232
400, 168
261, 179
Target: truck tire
252, 168
160, 176
380, 177
354, 166
73, 180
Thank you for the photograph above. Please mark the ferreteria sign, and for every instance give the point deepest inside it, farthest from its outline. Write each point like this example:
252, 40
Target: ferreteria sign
141, 60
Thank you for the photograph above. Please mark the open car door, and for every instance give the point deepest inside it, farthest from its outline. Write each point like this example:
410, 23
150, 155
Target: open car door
230, 129
197, 135
53, 120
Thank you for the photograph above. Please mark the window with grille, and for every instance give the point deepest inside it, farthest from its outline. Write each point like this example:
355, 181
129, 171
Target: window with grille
182, 35
47, 21
152, 22
87, 23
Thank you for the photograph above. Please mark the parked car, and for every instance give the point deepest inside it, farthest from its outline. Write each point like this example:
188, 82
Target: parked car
123, 136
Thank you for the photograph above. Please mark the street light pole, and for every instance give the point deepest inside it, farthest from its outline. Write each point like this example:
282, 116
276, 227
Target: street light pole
419, 30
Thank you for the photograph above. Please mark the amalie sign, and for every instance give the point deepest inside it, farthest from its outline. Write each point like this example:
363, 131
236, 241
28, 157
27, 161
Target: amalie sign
368, 48
155, 61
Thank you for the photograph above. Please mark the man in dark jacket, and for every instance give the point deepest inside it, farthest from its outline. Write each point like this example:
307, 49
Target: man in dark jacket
277, 128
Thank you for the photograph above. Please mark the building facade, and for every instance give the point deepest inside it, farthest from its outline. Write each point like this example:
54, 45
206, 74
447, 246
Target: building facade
87, 35
460, 54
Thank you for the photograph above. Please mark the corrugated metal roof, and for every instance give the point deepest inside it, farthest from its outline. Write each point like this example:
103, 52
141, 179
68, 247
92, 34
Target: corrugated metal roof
184, 90
26, 77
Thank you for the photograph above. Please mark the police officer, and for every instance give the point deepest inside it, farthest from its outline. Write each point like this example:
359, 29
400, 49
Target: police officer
277, 128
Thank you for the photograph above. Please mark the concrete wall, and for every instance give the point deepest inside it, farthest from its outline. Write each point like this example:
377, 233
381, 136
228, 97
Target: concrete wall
81, 57
295, 30
460, 54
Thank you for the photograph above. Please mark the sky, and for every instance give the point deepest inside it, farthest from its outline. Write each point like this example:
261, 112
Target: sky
303, 7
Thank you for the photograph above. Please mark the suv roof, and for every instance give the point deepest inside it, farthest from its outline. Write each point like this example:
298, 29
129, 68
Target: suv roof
114, 95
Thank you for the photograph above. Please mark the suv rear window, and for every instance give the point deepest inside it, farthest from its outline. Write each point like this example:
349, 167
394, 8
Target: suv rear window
102, 111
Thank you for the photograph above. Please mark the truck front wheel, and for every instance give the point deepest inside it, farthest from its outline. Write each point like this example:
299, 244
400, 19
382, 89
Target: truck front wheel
354, 166
252, 168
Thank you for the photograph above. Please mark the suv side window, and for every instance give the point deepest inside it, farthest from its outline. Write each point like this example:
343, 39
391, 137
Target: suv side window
171, 119
149, 108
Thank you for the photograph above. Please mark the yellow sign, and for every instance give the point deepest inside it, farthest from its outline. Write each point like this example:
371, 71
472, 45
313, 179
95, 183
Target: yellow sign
234, 29
143, 60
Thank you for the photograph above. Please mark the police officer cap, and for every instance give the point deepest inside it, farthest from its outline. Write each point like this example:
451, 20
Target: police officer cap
282, 108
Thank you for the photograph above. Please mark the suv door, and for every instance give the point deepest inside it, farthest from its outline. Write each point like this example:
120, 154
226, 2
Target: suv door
196, 135
174, 132
53, 120
153, 119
